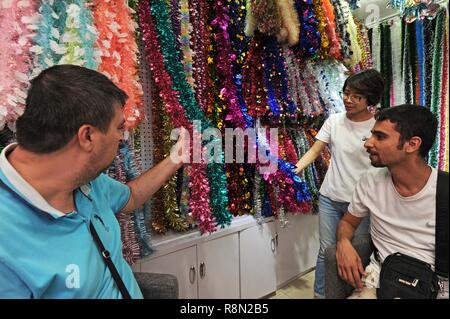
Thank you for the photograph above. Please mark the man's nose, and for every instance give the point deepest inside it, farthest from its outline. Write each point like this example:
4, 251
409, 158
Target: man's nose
368, 142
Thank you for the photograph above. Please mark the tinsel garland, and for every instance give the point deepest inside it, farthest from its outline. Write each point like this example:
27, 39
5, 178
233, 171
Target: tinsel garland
376, 45
335, 45
132, 168
408, 64
254, 94
124, 169
200, 45
414, 9
420, 61
257, 194
309, 82
271, 52
18, 22
310, 175
341, 27
185, 41
310, 38
169, 194
116, 34
183, 200
190, 108
443, 147
386, 64
364, 45
351, 31
142, 215
266, 16
177, 20
428, 35
224, 62
242, 194
330, 78
293, 78
322, 28
397, 79
158, 218
437, 82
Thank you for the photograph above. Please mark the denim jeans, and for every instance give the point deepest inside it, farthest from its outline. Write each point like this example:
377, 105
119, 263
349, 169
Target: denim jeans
330, 213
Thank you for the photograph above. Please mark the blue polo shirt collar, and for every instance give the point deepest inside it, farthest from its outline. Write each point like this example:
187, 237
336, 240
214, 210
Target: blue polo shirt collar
19, 185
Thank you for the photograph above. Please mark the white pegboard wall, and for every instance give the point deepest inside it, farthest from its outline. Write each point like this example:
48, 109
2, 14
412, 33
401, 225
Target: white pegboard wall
146, 125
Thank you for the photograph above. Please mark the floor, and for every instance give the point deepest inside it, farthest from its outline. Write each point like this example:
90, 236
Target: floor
300, 288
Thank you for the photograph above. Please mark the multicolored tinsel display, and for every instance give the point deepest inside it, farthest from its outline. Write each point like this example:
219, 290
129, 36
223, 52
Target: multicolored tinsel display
205, 67
420, 74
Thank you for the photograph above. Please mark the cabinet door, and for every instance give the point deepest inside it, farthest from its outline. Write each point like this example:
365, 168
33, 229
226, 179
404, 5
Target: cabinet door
218, 265
182, 264
257, 259
298, 246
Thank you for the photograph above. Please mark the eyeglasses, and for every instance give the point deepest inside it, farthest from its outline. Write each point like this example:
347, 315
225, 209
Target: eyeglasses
352, 97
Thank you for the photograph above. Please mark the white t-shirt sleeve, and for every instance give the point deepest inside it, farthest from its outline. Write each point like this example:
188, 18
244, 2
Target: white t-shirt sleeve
357, 206
325, 131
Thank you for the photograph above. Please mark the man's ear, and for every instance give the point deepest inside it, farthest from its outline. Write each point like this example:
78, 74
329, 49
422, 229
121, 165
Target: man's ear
86, 135
413, 145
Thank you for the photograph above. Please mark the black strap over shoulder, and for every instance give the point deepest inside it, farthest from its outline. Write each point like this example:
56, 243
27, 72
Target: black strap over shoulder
107, 258
442, 224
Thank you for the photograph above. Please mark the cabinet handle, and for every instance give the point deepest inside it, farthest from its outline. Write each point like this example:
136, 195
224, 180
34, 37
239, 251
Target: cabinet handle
202, 269
276, 239
272, 244
192, 274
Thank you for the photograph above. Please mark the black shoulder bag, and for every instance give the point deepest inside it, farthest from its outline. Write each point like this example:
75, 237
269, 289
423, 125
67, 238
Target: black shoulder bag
406, 277
107, 258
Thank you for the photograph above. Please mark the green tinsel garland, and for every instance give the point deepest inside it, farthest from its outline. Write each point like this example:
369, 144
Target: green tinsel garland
437, 82
215, 171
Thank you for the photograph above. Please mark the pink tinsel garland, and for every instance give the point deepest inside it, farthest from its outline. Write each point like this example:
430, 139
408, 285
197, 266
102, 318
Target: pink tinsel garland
18, 21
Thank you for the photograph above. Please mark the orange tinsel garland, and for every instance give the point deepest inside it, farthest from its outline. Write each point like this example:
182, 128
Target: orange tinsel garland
116, 34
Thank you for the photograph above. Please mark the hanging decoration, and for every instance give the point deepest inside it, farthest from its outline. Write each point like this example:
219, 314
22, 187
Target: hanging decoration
116, 39
414, 9
18, 22
413, 59
204, 67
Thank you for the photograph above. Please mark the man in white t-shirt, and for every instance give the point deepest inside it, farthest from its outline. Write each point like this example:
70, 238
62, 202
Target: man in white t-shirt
400, 198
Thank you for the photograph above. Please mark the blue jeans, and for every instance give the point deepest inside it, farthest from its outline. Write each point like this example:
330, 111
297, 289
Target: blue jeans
330, 213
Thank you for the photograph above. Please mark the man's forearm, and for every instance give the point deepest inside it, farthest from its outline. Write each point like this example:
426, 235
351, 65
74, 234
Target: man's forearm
345, 231
143, 187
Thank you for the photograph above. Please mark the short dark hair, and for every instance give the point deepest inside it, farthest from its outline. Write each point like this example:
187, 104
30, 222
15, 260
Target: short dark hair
369, 83
60, 100
412, 120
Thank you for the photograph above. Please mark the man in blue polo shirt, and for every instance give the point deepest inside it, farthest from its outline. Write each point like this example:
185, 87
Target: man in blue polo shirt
52, 189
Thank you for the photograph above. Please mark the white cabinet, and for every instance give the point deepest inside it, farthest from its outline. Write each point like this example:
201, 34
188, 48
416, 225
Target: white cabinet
246, 260
208, 269
271, 255
298, 246
182, 264
258, 260
218, 268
